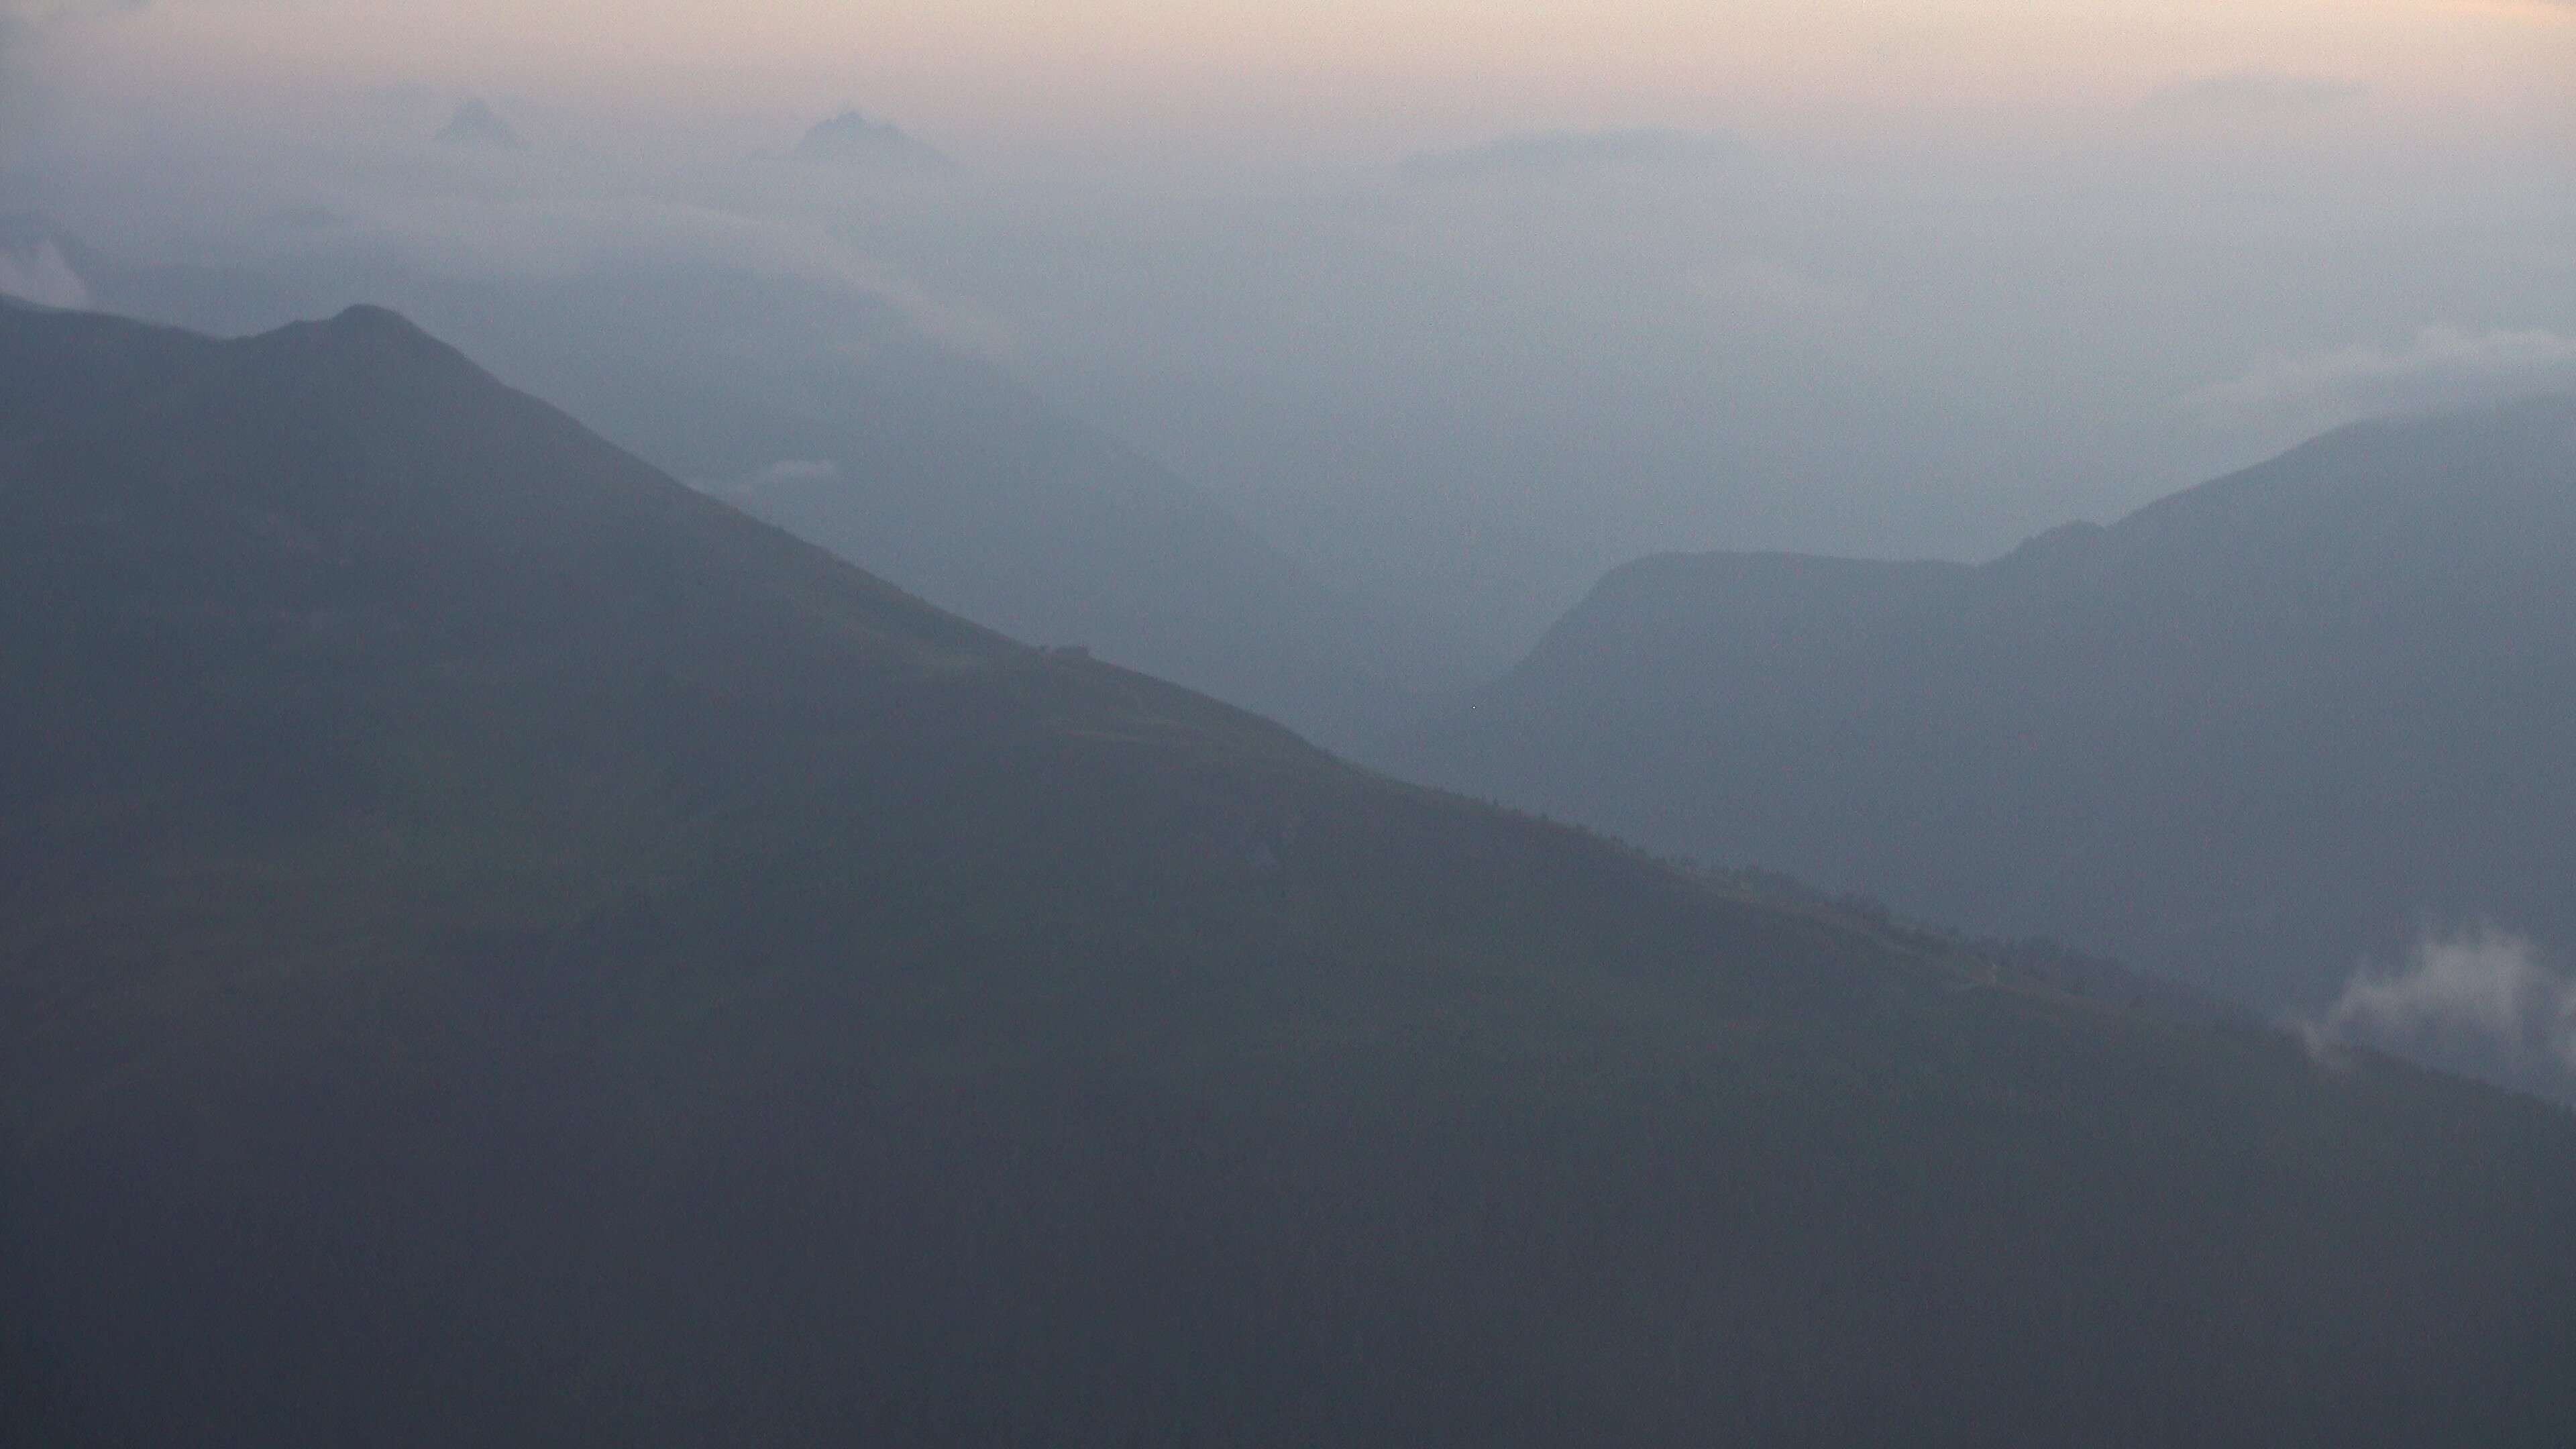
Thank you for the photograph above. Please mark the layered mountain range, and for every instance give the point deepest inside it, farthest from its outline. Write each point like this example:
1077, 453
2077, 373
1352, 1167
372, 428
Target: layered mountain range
501, 946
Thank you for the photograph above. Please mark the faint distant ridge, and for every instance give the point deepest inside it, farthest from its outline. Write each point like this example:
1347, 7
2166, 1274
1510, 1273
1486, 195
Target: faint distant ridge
1570, 153
477, 126
853, 139
2251, 734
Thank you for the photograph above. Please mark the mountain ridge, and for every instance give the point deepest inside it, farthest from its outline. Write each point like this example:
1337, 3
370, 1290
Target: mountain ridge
910, 458
2360, 631
503, 946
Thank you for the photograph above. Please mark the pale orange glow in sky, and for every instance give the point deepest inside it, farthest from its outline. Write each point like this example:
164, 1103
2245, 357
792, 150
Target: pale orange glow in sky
1225, 61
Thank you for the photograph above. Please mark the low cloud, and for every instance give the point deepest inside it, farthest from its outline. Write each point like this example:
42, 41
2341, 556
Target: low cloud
2254, 93
40, 275
2482, 1003
2442, 367
1568, 153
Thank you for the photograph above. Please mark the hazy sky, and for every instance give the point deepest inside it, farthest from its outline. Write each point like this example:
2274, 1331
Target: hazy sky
1820, 274
1355, 72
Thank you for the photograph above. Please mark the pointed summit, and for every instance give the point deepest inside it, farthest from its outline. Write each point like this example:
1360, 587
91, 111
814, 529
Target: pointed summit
367, 318
477, 126
854, 140
365, 339
369, 326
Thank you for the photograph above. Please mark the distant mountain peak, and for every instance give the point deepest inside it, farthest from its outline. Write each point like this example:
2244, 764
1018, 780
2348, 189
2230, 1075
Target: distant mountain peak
377, 330
853, 138
368, 318
369, 347
477, 126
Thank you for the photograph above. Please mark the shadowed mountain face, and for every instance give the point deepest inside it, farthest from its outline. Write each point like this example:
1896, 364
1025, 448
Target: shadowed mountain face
833, 415
500, 947
2248, 735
